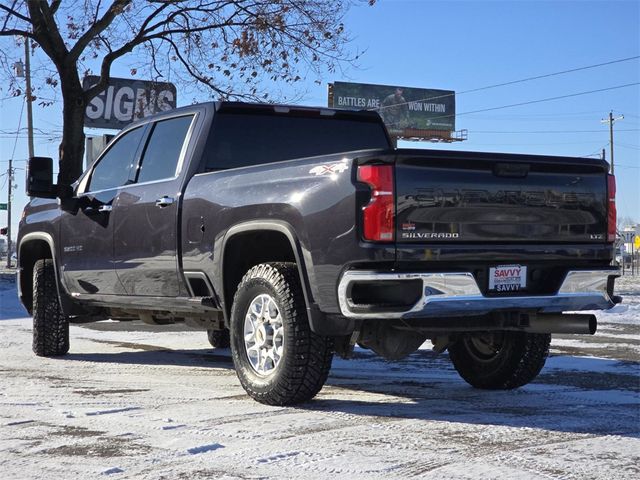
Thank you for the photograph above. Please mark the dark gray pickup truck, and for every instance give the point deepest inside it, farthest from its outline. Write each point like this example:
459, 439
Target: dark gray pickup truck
292, 233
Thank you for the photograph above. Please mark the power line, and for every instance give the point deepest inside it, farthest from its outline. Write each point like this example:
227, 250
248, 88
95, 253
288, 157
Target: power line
17, 131
513, 82
530, 102
599, 152
551, 131
520, 144
633, 147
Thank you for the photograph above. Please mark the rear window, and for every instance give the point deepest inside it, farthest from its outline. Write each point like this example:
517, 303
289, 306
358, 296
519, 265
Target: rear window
239, 140
161, 156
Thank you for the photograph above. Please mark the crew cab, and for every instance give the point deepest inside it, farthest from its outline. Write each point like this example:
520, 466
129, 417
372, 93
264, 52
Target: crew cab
293, 233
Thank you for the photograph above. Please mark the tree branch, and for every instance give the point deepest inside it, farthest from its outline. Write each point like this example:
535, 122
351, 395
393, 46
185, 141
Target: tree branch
14, 31
11, 11
105, 70
191, 71
97, 28
55, 4
46, 32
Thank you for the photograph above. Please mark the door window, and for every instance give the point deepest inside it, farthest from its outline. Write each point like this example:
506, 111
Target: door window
161, 156
114, 167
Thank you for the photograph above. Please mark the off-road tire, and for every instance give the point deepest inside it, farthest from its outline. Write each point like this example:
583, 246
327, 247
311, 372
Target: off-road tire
219, 338
518, 360
50, 325
306, 359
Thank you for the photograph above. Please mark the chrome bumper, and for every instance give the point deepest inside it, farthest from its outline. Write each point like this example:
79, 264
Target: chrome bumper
458, 294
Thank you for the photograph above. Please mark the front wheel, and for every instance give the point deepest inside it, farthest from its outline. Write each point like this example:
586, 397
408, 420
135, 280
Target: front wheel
277, 357
500, 360
50, 325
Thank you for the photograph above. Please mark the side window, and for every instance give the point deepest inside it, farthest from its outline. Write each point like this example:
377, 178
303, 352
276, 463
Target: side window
160, 158
113, 168
239, 140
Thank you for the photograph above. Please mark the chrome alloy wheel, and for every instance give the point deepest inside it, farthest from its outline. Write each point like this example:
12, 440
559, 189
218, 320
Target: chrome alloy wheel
263, 335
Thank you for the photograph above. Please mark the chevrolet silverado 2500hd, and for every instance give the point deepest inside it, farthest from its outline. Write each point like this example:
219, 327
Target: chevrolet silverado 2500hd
293, 233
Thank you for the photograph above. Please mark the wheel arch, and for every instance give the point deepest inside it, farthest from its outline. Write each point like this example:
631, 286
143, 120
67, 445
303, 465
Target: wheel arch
241, 237
33, 247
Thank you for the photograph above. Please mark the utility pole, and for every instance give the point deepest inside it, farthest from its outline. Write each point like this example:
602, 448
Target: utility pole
10, 182
27, 74
611, 121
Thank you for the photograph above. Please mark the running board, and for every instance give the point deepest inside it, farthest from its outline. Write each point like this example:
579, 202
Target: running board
167, 304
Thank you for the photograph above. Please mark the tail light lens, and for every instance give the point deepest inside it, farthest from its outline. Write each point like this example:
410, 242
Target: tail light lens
379, 213
612, 215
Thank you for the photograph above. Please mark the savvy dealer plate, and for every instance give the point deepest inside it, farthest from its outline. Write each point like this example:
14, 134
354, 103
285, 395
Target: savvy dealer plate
507, 278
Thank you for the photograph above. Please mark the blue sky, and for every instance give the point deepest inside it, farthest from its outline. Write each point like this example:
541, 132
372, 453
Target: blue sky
462, 45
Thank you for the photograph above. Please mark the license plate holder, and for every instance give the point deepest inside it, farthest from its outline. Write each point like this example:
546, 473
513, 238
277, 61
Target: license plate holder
507, 278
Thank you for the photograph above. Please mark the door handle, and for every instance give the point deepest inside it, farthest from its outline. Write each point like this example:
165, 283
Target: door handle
164, 202
95, 211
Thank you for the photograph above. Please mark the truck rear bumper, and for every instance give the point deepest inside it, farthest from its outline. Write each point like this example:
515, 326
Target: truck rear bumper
428, 295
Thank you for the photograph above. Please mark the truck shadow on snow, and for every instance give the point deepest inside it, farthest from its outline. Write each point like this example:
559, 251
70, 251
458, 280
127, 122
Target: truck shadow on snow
572, 394
158, 357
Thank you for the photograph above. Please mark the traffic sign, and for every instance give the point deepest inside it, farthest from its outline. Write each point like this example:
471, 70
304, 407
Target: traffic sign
3, 206
636, 243
628, 236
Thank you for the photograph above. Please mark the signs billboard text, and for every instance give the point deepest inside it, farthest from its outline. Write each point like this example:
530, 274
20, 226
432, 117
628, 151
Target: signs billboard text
126, 100
405, 111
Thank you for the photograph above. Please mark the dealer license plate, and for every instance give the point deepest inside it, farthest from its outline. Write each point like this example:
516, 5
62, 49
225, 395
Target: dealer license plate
507, 278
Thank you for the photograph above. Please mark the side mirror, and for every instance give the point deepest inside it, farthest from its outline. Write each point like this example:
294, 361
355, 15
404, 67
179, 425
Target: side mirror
40, 180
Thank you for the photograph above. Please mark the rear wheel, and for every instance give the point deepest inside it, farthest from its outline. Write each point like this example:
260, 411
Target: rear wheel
50, 325
218, 338
277, 357
500, 360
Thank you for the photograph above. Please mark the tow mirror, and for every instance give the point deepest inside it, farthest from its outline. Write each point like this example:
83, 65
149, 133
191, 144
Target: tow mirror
40, 180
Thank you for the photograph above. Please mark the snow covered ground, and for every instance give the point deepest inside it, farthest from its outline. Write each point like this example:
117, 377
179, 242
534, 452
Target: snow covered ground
132, 401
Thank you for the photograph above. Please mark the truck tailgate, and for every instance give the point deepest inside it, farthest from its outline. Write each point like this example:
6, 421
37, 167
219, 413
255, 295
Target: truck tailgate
467, 197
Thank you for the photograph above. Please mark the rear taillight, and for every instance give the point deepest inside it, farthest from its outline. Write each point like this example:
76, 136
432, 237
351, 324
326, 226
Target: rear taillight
611, 210
379, 213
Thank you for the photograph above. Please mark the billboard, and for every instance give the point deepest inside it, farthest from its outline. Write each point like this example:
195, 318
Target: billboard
407, 112
125, 100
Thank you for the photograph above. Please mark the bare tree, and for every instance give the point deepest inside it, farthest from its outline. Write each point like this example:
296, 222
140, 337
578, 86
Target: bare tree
236, 48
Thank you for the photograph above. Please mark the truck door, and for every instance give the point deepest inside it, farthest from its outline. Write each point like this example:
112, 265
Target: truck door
86, 234
146, 214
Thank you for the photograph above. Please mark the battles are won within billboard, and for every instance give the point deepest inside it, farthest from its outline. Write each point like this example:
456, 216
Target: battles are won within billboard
406, 111
126, 100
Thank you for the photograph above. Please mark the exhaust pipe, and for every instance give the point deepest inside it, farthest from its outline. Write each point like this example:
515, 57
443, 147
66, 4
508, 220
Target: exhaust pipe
562, 323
